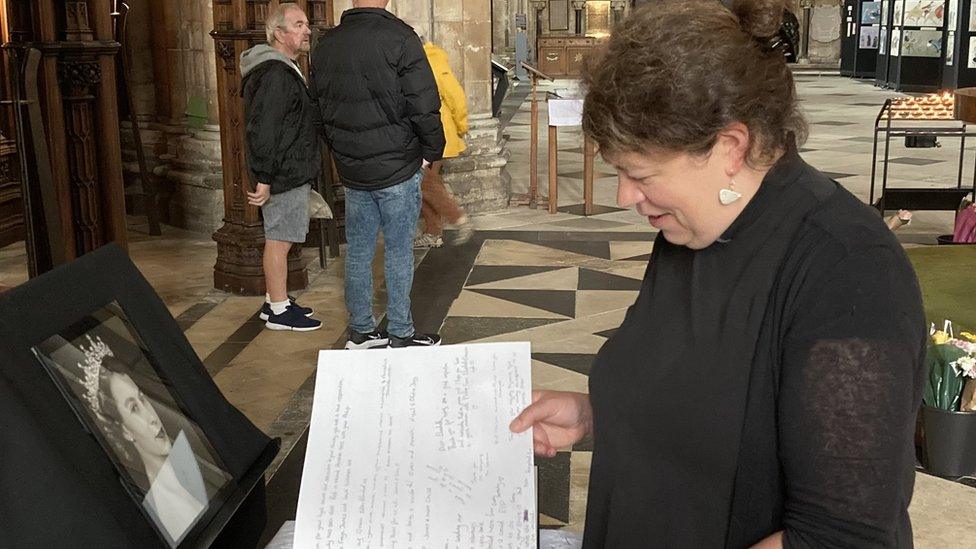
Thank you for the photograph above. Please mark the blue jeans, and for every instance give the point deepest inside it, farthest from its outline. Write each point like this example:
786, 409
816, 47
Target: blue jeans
395, 211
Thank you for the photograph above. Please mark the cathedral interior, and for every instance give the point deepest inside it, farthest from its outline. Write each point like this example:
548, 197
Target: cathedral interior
121, 123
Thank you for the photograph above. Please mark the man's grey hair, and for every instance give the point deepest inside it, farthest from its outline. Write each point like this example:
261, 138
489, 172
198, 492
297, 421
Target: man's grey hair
276, 20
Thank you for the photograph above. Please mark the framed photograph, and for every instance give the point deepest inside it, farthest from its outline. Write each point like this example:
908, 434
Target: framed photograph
163, 457
869, 38
133, 445
971, 61
921, 43
870, 13
952, 15
558, 15
883, 41
950, 48
924, 13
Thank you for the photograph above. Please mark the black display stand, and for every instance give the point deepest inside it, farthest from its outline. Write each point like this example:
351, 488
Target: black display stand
893, 122
61, 486
912, 52
959, 69
861, 38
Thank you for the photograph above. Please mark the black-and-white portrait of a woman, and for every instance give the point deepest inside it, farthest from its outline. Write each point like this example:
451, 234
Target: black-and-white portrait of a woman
108, 377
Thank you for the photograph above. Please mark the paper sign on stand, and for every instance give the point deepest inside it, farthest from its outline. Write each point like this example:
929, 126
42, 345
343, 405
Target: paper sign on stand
565, 112
411, 448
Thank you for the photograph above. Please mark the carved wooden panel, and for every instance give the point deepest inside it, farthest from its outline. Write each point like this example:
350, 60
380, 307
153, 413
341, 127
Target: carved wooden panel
79, 79
78, 111
11, 202
76, 25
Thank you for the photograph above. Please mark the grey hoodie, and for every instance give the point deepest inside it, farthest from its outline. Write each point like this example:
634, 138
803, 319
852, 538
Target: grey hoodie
250, 59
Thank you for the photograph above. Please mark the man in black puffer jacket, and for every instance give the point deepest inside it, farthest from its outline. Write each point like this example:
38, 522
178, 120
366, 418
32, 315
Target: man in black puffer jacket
281, 141
381, 116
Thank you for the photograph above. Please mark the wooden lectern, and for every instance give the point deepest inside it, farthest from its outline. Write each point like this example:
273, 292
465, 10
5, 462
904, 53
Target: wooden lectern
532, 198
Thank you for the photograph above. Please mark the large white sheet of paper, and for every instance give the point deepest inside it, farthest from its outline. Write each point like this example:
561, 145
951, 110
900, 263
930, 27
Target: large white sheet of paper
411, 448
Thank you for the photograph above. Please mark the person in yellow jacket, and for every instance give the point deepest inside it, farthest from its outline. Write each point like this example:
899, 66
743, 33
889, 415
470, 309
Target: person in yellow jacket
438, 204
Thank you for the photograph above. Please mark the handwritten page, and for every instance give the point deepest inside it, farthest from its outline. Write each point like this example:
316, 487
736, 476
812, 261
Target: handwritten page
411, 448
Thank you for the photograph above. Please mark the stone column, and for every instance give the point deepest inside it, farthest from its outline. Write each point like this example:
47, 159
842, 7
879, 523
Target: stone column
192, 158
464, 29
175, 84
503, 26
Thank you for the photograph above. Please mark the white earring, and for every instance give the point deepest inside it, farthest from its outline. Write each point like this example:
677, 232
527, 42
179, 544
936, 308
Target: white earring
730, 195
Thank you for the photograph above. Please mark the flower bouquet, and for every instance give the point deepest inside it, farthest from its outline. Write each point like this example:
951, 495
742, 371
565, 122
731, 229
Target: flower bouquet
951, 363
949, 398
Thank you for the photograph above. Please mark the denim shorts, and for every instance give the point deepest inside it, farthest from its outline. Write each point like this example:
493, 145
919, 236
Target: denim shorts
286, 215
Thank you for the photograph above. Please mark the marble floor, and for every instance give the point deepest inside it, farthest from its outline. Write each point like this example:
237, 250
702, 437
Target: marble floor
561, 281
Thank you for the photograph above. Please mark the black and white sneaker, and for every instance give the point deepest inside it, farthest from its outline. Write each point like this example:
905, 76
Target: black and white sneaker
367, 341
416, 340
292, 319
266, 309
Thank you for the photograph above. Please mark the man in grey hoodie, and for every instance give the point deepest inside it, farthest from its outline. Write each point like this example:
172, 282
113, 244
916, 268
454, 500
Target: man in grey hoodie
283, 154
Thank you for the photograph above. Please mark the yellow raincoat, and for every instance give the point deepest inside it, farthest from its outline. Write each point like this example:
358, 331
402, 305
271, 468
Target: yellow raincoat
454, 107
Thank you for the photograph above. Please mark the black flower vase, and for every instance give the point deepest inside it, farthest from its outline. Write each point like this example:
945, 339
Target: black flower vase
950, 442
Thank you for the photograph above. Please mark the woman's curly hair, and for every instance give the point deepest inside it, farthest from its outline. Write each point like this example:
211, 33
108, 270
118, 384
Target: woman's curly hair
677, 72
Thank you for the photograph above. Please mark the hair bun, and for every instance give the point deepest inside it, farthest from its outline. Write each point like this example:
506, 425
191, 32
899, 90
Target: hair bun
759, 18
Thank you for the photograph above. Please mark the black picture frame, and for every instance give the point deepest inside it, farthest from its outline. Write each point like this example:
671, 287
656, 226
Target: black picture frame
76, 494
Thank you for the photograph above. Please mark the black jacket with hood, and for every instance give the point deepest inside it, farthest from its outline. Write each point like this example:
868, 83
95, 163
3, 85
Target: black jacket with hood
378, 99
281, 121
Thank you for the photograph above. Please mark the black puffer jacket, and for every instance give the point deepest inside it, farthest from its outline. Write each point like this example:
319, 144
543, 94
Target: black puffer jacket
378, 99
281, 121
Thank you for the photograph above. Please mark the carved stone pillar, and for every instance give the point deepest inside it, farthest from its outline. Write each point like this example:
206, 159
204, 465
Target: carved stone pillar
464, 29
618, 7
239, 25
538, 7
578, 7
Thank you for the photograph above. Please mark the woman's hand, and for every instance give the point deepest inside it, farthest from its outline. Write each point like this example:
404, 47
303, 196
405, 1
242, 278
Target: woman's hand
560, 419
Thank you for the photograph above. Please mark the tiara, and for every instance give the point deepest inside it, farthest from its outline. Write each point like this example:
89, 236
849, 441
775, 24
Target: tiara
92, 368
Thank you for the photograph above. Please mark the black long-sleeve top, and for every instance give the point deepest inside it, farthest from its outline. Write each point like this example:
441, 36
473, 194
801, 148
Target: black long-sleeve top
767, 382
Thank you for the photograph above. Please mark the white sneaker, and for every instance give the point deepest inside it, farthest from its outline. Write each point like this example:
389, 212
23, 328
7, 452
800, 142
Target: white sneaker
428, 241
465, 230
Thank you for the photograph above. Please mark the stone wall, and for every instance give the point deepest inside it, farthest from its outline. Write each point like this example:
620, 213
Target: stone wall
825, 27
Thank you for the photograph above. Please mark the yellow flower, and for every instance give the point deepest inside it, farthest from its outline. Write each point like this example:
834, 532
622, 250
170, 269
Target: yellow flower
969, 336
940, 337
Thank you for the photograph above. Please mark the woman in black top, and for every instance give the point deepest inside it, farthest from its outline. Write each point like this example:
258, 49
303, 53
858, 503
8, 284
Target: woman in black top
763, 388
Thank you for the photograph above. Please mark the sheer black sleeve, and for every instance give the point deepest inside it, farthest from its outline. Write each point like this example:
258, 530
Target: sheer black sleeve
850, 388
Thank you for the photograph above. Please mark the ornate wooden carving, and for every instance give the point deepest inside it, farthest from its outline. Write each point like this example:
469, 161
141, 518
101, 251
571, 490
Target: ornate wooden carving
77, 27
77, 96
239, 25
79, 79
11, 202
